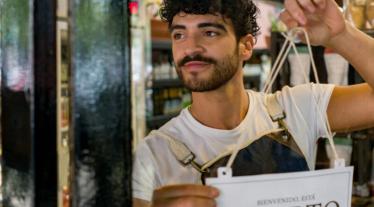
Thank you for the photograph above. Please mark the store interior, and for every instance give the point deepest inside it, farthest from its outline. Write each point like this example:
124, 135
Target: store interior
157, 95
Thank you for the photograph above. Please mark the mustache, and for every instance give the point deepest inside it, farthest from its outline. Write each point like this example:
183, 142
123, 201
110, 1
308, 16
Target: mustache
195, 58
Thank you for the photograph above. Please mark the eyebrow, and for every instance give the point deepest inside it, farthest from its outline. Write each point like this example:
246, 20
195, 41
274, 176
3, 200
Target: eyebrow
174, 27
216, 25
201, 25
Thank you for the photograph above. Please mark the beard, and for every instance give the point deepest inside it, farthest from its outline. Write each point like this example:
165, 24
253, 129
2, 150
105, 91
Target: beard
223, 71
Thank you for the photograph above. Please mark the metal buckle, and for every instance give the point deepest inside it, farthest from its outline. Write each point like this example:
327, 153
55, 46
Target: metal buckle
285, 132
189, 160
278, 117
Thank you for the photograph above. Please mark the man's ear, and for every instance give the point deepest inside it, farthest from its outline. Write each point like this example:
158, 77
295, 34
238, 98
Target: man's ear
246, 45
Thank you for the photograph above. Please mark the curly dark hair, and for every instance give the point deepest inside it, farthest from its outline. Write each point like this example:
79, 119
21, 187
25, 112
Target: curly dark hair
243, 13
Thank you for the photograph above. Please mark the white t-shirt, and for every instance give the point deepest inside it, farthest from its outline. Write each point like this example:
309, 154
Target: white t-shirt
156, 166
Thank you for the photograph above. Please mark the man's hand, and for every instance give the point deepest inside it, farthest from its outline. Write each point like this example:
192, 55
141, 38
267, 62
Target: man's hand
322, 19
185, 195
349, 106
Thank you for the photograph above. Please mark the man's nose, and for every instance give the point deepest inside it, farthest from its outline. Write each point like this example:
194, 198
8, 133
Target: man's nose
193, 47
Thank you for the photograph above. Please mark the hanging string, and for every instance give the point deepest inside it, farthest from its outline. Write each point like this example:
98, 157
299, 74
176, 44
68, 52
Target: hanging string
322, 115
277, 66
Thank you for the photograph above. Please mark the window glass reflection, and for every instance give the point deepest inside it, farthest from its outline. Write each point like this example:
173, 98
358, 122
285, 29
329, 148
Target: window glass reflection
16, 66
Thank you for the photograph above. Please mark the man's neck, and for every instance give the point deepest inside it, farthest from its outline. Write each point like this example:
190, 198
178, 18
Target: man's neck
224, 108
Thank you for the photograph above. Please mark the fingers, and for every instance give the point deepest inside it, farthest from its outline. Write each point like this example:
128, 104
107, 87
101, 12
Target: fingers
320, 3
185, 195
295, 11
185, 202
288, 20
307, 5
321, 18
186, 190
299, 8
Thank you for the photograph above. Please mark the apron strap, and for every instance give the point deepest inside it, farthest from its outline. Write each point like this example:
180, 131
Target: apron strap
273, 107
180, 151
277, 114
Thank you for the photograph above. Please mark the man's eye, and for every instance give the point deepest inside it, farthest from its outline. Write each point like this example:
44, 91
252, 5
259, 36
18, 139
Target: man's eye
178, 36
211, 34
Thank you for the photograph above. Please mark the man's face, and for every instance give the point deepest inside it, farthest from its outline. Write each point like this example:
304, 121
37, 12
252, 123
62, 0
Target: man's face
205, 51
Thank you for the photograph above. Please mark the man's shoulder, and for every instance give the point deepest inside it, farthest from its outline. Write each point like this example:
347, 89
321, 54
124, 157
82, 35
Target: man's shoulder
171, 128
304, 92
306, 88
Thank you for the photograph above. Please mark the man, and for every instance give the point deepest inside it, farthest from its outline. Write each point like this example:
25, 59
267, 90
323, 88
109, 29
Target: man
210, 42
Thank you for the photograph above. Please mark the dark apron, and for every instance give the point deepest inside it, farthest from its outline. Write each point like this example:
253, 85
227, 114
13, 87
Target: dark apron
272, 153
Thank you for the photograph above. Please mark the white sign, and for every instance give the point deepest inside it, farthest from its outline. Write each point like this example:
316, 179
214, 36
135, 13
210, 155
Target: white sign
320, 188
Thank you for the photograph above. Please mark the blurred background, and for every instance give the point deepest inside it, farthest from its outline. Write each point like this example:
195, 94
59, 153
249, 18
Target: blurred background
83, 81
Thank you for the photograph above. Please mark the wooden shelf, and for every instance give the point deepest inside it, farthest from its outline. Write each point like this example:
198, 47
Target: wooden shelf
159, 30
362, 202
161, 44
157, 121
252, 78
261, 51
